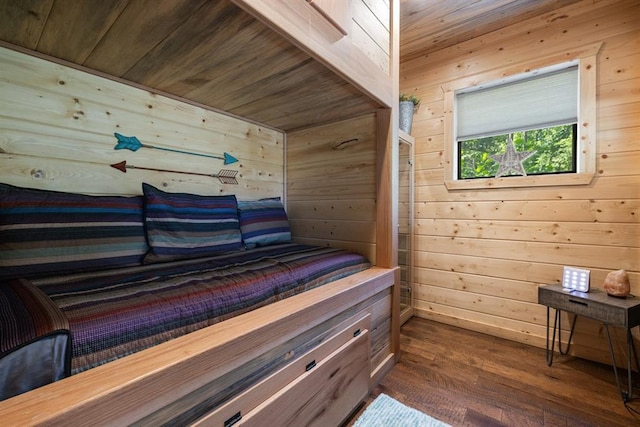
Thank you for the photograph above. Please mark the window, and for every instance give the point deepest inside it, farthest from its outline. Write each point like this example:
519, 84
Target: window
545, 150
531, 128
536, 112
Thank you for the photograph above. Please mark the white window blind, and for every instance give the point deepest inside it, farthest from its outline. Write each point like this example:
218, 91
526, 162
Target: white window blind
544, 100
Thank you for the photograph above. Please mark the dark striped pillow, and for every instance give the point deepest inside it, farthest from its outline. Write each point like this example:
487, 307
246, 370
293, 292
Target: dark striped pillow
48, 232
263, 222
181, 225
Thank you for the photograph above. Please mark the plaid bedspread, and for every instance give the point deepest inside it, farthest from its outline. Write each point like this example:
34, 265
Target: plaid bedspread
27, 315
114, 314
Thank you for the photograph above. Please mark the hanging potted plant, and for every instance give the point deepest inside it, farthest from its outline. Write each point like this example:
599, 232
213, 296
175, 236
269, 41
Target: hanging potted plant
408, 106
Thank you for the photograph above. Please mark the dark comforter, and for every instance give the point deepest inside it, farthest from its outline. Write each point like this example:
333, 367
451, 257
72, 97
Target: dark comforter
34, 339
112, 314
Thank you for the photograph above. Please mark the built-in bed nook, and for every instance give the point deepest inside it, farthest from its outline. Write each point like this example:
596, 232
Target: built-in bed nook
198, 221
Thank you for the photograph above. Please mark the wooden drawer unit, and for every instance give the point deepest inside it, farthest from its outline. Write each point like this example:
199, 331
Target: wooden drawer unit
321, 387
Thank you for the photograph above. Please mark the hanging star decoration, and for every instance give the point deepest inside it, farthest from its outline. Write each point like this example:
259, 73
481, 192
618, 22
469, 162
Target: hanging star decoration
511, 160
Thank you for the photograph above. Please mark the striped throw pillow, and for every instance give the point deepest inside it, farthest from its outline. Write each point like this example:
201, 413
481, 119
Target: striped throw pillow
49, 232
263, 222
182, 225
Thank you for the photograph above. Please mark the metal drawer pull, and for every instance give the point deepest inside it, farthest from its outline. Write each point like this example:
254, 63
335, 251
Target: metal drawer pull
234, 419
356, 333
310, 365
579, 302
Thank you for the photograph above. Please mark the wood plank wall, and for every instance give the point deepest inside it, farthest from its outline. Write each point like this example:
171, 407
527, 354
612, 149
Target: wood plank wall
481, 254
57, 132
370, 30
331, 185
331, 200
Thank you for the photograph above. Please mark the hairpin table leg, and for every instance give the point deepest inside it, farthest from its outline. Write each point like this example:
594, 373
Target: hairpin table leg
626, 396
557, 326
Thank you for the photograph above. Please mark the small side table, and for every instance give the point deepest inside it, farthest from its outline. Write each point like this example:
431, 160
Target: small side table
596, 304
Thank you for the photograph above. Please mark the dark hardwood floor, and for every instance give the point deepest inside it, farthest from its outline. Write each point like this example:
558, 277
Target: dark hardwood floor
466, 378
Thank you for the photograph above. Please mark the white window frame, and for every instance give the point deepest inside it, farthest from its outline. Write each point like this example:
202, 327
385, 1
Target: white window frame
585, 141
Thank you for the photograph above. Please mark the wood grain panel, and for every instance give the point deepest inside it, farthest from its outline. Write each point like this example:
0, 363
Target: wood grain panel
60, 125
381, 11
381, 342
618, 139
479, 285
522, 311
244, 388
188, 46
501, 327
68, 20
336, 12
619, 116
212, 54
74, 147
431, 25
371, 34
499, 268
301, 24
623, 60
500, 50
604, 188
380, 311
330, 189
357, 231
209, 84
331, 176
346, 103
94, 178
341, 209
618, 164
387, 200
613, 258
116, 101
161, 18
381, 349
347, 382
539, 231
431, 160
612, 95
482, 253
371, 49
24, 21
616, 211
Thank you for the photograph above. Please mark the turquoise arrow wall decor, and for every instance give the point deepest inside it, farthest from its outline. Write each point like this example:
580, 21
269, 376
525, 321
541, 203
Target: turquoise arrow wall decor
132, 143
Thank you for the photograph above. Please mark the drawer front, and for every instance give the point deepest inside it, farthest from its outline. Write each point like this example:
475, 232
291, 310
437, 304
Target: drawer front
605, 313
608, 313
238, 408
323, 396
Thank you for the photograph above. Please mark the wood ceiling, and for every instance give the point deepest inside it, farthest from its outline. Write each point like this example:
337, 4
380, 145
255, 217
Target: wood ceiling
210, 52
427, 26
215, 54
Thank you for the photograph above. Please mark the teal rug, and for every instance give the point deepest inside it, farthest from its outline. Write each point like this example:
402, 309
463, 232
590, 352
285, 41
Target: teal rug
385, 411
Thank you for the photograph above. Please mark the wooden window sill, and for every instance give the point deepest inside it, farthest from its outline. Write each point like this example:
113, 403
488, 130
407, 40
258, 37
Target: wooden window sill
520, 181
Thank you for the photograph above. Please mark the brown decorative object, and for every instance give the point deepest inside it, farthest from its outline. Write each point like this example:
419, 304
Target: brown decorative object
617, 284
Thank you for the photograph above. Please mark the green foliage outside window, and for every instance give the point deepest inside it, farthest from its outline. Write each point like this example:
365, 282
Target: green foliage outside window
554, 147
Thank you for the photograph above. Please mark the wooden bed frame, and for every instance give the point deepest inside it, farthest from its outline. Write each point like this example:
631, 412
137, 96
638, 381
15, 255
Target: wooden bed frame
163, 382
310, 359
